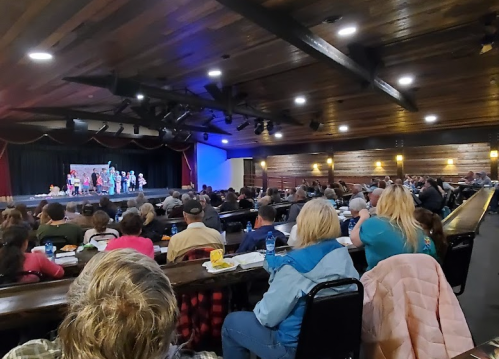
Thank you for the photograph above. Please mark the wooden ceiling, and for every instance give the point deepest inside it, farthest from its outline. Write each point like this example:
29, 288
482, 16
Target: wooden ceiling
174, 43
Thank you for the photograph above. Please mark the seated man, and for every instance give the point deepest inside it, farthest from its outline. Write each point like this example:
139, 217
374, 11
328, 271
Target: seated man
178, 209
264, 224
300, 200
211, 217
357, 192
71, 211
355, 206
57, 226
373, 200
172, 201
197, 235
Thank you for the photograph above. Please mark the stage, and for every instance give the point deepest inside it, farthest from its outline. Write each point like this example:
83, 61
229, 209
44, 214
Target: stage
32, 201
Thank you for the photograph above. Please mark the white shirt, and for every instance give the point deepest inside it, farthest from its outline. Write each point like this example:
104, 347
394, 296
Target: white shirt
89, 233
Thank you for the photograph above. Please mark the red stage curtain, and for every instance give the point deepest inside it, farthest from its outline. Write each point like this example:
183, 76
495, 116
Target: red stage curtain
5, 187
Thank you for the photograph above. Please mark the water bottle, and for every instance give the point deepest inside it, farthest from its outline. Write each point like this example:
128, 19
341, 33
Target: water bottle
49, 250
174, 229
118, 214
351, 224
270, 244
249, 228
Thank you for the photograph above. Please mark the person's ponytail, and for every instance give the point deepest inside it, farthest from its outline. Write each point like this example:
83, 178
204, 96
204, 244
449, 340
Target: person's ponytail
11, 253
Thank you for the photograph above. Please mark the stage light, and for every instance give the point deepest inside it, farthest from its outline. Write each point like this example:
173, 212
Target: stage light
259, 127
122, 106
120, 130
430, 118
343, 128
225, 141
136, 129
243, 125
300, 100
102, 129
400, 158
315, 166
140, 97
406, 80
278, 135
262, 164
270, 127
165, 135
378, 164
347, 31
205, 136
329, 161
493, 154
450, 161
228, 119
40, 56
214, 73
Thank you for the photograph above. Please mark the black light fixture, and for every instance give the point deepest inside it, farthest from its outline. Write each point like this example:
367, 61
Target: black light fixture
103, 128
228, 119
165, 135
315, 122
259, 126
183, 117
243, 125
120, 130
136, 129
270, 127
205, 136
122, 106
189, 135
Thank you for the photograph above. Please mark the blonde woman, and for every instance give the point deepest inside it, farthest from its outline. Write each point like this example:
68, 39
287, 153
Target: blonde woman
272, 329
121, 306
394, 230
151, 228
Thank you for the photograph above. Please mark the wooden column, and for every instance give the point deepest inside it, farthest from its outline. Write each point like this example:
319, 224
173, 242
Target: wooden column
330, 168
493, 141
265, 182
400, 166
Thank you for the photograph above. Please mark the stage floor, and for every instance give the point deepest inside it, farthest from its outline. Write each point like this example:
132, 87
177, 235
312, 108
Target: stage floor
32, 201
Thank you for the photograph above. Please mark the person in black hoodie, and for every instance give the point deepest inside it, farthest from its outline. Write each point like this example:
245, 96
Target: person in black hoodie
294, 210
430, 197
245, 201
151, 228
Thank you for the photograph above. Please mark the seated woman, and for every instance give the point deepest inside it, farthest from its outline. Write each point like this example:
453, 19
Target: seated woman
331, 196
355, 206
393, 231
27, 217
432, 226
14, 218
131, 227
151, 228
14, 259
129, 304
276, 196
230, 203
431, 197
267, 198
246, 200
107, 206
272, 329
100, 232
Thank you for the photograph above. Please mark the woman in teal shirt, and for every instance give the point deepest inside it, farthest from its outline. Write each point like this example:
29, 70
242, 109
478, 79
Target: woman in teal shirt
393, 231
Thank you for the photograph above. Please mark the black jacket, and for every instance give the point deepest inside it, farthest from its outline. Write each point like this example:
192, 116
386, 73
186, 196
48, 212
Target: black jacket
432, 200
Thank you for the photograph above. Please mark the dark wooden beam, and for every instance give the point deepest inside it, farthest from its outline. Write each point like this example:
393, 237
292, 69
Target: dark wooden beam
290, 30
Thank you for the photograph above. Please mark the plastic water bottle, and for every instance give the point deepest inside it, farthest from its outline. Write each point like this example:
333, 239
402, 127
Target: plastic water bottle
351, 225
118, 214
174, 229
49, 250
270, 244
249, 228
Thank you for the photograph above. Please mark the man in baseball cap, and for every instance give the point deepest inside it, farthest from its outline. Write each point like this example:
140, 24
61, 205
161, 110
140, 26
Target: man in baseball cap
197, 235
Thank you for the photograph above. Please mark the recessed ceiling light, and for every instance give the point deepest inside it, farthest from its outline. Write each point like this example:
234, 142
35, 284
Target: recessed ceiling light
300, 100
343, 128
40, 56
430, 118
347, 31
214, 73
140, 97
406, 80
278, 135
225, 141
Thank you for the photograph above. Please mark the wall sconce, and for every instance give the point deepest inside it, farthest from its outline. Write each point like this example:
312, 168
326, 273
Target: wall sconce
329, 161
450, 161
315, 166
378, 164
262, 164
400, 158
493, 154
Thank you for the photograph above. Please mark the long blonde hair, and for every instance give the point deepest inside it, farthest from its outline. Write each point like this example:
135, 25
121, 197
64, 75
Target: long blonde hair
396, 205
316, 222
147, 213
121, 306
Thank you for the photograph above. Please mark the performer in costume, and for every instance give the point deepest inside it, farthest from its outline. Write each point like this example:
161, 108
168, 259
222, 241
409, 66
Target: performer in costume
110, 179
124, 182
86, 184
104, 175
117, 178
99, 184
142, 182
76, 183
69, 185
133, 181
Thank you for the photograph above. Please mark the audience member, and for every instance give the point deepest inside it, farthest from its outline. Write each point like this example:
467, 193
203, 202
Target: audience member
382, 184
197, 235
494, 202
26, 216
430, 197
355, 205
141, 199
230, 203
291, 196
276, 197
273, 328
296, 207
172, 201
14, 218
57, 226
152, 228
132, 207
433, 228
100, 230
14, 259
267, 199
10, 207
38, 210
264, 224
131, 228
482, 179
215, 199
293, 240
420, 182
85, 219
178, 210
444, 185
469, 178
44, 217
388, 180
330, 195
71, 211
246, 200
338, 190
211, 218
122, 305
398, 181
357, 192
373, 200
393, 231
107, 206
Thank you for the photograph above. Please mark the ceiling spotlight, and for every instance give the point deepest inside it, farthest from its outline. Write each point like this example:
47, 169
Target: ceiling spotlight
259, 127
40, 56
225, 141
228, 119
140, 97
278, 135
120, 130
122, 106
406, 80
136, 129
300, 100
183, 117
430, 118
343, 128
103, 128
165, 135
214, 73
347, 31
243, 125
205, 136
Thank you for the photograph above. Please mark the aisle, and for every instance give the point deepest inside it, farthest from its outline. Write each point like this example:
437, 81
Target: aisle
480, 301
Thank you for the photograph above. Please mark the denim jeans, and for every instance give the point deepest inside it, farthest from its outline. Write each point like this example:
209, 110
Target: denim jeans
242, 333
494, 202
